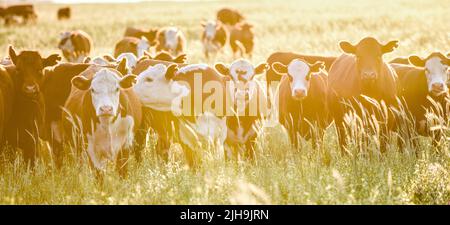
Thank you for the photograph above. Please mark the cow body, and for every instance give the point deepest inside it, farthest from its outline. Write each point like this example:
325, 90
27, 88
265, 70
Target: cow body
170, 39
131, 45
64, 13
241, 39
26, 12
6, 100
75, 45
214, 38
150, 34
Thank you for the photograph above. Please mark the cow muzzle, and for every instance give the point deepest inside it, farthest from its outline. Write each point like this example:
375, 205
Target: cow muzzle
106, 111
299, 94
30, 90
369, 76
437, 89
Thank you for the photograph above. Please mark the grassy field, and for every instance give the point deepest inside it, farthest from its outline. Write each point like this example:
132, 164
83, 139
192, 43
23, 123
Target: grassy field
279, 174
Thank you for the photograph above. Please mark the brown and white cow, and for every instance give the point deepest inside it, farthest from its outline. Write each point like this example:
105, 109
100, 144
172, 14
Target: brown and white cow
149, 34
425, 87
26, 72
174, 96
170, 39
241, 39
248, 102
229, 16
214, 38
104, 109
303, 99
132, 45
360, 72
75, 45
64, 13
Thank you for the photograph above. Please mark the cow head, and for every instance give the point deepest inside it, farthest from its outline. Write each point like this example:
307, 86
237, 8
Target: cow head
242, 74
105, 88
157, 89
142, 46
210, 29
299, 73
131, 61
171, 35
369, 56
29, 66
436, 71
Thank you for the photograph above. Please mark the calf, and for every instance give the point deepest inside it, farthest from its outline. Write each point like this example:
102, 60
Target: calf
64, 13
424, 87
241, 39
229, 16
248, 103
361, 72
170, 39
25, 11
174, 100
132, 45
150, 34
106, 112
214, 37
26, 72
75, 45
302, 99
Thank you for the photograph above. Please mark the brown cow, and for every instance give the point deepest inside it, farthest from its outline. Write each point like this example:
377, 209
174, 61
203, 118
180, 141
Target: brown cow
249, 104
214, 38
106, 112
241, 39
427, 80
25, 11
150, 34
362, 71
75, 45
6, 101
229, 16
64, 13
170, 39
131, 45
162, 86
302, 99
28, 102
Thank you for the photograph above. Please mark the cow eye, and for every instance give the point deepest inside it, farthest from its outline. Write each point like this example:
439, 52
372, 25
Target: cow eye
290, 78
148, 79
427, 70
117, 89
92, 90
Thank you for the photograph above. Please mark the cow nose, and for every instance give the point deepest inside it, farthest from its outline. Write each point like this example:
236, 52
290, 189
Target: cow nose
30, 89
299, 93
106, 110
437, 87
369, 75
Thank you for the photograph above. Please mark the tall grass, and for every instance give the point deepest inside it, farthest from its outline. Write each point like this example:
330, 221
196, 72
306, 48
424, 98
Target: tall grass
279, 174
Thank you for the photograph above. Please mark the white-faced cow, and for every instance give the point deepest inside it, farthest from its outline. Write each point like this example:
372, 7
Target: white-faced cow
170, 39
303, 105
214, 38
132, 45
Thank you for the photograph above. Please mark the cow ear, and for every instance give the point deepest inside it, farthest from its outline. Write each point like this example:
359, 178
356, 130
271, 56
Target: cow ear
447, 61
12, 54
347, 47
416, 61
127, 81
389, 47
279, 68
122, 67
81, 82
109, 58
171, 71
87, 59
222, 68
146, 53
314, 68
52, 60
261, 68
180, 59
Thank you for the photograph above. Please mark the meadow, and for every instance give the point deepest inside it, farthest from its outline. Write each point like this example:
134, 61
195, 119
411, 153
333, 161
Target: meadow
279, 174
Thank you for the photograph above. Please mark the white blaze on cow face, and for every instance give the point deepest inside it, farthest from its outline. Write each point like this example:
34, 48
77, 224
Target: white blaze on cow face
105, 91
210, 30
156, 92
298, 72
242, 73
437, 75
142, 46
131, 60
171, 35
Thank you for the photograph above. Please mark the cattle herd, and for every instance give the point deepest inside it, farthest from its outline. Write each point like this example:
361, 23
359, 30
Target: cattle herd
105, 105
